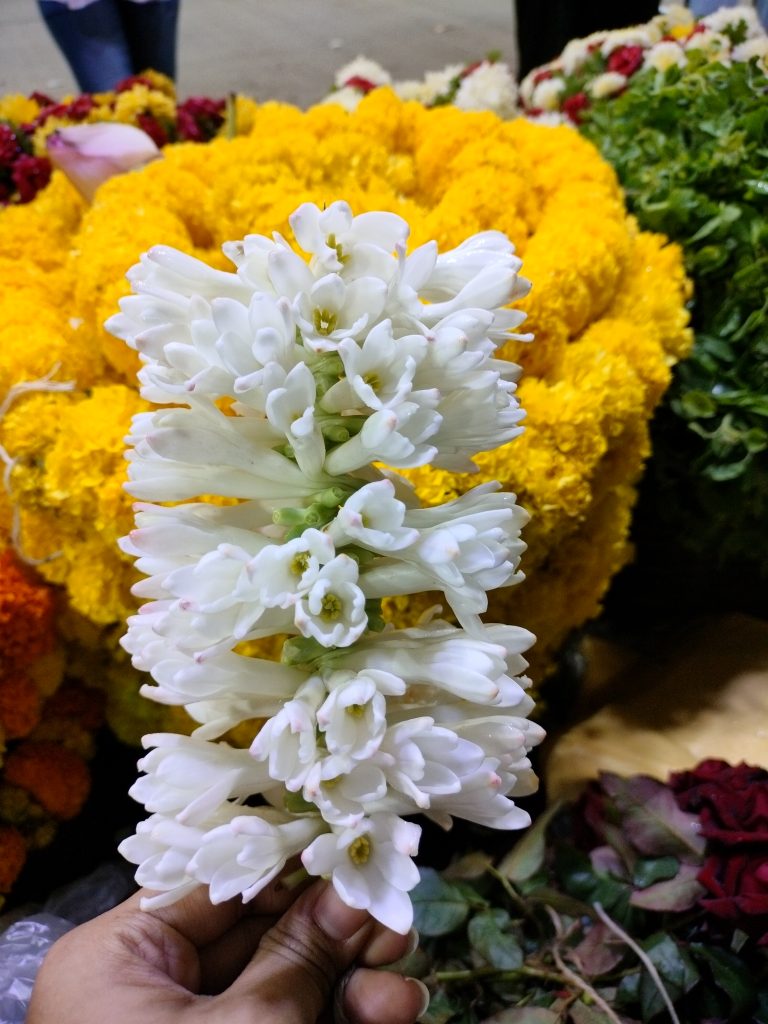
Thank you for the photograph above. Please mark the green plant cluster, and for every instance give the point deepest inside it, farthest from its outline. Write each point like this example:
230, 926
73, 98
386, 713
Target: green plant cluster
561, 933
690, 147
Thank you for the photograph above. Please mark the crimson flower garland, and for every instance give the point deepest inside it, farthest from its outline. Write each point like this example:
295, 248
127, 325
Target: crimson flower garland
147, 101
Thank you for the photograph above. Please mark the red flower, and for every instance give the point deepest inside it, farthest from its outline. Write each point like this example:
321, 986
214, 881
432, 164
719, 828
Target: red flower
51, 110
358, 82
542, 76
738, 884
199, 118
41, 99
128, 83
149, 124
9, 145
573, 106
80, 108
732, 802
30, 174
626, 60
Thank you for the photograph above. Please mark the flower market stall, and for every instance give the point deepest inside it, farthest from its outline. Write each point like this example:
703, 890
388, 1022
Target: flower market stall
298, 396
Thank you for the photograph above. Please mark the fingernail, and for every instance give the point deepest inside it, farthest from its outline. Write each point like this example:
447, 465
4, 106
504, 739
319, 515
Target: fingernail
413, 942
424, 992
336, 919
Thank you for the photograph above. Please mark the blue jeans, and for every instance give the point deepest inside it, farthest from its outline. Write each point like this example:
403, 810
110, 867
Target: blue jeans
111, 39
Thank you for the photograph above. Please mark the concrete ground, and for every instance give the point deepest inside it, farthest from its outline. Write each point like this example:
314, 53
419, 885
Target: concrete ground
280, 49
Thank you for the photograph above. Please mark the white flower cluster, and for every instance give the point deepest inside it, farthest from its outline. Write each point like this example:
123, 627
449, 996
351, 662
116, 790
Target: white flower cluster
283, 385
485, 85
666, 41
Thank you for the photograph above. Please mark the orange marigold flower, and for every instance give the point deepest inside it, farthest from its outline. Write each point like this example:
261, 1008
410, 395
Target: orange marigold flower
81, 704
19, 705
57, 778
13, 853
26, 613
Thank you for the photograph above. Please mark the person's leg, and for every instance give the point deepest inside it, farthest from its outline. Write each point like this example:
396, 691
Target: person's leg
92, 42
150, 29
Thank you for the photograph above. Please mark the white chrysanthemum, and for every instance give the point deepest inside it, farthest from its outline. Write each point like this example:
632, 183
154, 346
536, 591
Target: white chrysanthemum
347, 97
742, 18
636, 35
665, 55
751, 49
490, 86
546, 95
713, 44
365, 68
356, 354
672, 15
436, 85
607, 84
576, 53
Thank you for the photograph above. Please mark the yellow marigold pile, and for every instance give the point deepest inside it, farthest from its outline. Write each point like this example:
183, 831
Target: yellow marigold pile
607, 308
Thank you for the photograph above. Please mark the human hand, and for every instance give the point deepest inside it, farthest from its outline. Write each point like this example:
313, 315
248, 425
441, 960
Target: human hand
281, 959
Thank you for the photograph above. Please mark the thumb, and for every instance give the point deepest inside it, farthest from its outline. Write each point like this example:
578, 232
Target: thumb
301, 958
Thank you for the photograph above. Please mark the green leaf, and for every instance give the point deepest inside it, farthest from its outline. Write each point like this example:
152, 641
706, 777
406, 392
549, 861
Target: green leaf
730, 974
442, 1007
654, 869
438, 907
527, 855
471, 866
652, 821
697, 404
581, 1013
676, 969
524, 1015
497, 946
673, 895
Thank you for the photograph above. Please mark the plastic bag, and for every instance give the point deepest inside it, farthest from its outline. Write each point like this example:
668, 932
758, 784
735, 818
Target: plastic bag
22, 948
26, 940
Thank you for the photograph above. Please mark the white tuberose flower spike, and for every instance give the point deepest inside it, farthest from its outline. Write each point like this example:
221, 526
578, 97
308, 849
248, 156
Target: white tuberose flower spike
284, 383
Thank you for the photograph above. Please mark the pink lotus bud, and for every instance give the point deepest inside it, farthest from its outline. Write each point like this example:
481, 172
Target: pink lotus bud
91, 153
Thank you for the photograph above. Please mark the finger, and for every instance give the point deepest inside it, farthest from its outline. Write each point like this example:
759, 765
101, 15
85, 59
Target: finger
379, 997
202, 923
302, 957
223, 960
386, 946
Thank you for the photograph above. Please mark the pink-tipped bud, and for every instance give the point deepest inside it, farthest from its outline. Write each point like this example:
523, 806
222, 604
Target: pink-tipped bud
91, 153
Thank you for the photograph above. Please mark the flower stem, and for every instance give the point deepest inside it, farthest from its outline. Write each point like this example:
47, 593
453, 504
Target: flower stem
498, 974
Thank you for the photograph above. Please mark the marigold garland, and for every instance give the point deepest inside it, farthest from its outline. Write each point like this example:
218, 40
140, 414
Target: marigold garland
607, 309
46, 725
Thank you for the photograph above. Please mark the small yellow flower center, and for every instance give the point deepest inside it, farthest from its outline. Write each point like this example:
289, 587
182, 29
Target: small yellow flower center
324, 321
330, 783
359, 850
300, 563
373, 380
356, 710
333, 244
331, 608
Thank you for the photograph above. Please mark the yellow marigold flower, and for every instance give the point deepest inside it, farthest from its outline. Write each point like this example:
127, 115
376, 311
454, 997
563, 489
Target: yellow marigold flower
18, 109
143, 100
607, 308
